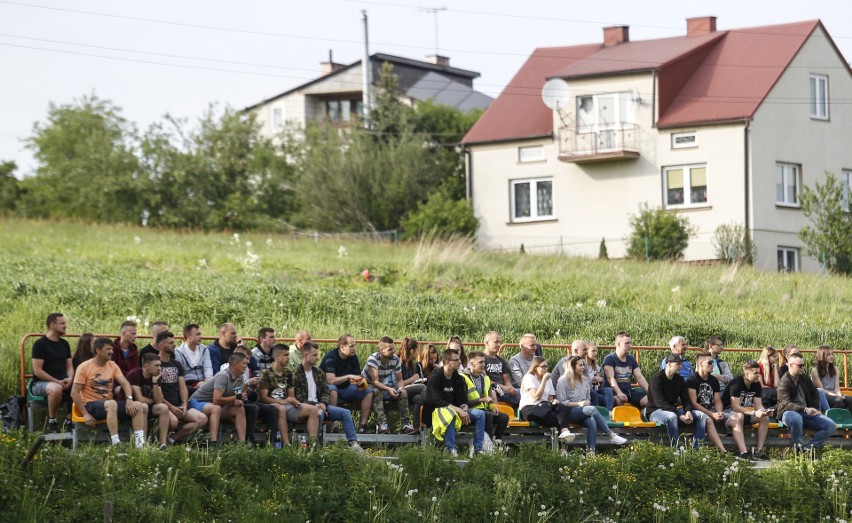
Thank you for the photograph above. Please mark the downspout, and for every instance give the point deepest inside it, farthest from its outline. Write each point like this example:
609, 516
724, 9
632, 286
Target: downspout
468, 174
653, 98
746, 167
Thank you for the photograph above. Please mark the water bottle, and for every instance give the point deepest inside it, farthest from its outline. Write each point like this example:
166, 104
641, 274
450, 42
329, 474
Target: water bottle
277, 442
304, 443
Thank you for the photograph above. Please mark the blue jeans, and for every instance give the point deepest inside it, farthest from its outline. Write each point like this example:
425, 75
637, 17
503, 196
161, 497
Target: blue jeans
797, 422
343, 416
823, 401
670, 420
603, 397
477, 416
350, 393
592, 420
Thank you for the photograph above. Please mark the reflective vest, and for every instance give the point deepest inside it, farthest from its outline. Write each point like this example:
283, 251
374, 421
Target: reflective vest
473, 394
441, 419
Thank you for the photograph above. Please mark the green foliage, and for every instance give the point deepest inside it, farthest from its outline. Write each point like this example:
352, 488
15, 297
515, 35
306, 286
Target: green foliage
829, 237
658, 234
602, 252
88, 167
9, 188
441, 216
732, 244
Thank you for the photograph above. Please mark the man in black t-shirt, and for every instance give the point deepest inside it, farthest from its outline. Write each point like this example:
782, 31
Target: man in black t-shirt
175, 391
53, 372
156, 328
704, 394
742, 399
145, 382
446, 396
343, 373
497, 371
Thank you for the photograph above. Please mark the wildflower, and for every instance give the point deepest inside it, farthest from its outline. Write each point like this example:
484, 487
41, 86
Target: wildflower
269, 242
676, 289
341, 251
137, 240
601, 304
578, 305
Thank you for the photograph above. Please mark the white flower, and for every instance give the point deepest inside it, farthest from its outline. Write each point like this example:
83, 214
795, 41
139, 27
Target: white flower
578, 305
236, 237
434, 499
676, 289
137, 240
601, 304
341, 251
248, 244
269, 242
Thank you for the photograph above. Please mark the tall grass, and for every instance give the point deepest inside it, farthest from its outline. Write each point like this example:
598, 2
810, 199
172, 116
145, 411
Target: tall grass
98, 275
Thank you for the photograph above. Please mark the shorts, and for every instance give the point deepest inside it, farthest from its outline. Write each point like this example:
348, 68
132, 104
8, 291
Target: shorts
197, 405
97, 410
292, 414
748, 420
635, 398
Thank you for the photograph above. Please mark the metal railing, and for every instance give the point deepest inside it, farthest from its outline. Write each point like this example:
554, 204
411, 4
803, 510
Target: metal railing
578, 143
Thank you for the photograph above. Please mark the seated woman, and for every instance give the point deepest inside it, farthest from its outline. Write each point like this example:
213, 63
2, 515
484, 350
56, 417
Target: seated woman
538, 400
429, 360
85, 350
573, 389
456, 343
413, 377
768, 363
825, 377
601, 392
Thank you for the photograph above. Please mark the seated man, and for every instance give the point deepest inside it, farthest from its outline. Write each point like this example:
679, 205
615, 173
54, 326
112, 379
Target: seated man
577, 348
146, 388
92, 393
221, 397
798, 406
620, 368
705, 398
175, 393
481, 396
194, 358
520, 363
383, 372
668, 401
253, 407
497, 370
53, 371
124, 353
262, 352
678, 346
742, 398
156, 328
309, 386
276, 388
446, 409
343, 372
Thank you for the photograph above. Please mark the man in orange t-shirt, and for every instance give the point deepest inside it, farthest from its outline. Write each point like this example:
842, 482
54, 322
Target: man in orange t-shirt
92, 393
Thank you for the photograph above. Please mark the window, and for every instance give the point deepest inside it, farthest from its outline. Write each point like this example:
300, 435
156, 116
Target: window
532, 199
342, 110
604, 112
685, 185
819, 96
531, 154
788, 259
846, 184
787, 183
277, 118
684, 140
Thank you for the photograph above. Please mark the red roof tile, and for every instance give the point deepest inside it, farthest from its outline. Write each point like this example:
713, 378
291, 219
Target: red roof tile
721, 76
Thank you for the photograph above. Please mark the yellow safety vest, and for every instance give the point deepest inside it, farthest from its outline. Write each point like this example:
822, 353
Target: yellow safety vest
473, 394
441, 419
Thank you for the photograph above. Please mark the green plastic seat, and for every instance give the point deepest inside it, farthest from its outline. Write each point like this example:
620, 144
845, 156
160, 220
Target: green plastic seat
841, 417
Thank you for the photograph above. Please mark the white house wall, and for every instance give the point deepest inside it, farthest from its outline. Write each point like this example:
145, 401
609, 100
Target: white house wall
783, 131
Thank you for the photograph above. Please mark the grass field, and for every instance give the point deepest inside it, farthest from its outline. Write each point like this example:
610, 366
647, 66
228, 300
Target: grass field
99, 275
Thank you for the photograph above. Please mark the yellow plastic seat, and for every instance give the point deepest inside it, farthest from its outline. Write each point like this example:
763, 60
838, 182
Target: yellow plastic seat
630, 417
507, 409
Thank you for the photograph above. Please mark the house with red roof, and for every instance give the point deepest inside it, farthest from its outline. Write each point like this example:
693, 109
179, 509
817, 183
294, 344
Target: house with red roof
720, 126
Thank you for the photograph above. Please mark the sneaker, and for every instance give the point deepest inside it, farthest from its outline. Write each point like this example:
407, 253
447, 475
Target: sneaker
362, 429
52, 426
498, 443
745, 456
408, 429
356, 447
454, 453
760, 455
567, 436
615, 439
382, 428
798, 449
590, 453
67, 425
163, 447
335, 427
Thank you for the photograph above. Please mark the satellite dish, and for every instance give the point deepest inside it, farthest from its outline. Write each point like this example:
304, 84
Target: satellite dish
556, 94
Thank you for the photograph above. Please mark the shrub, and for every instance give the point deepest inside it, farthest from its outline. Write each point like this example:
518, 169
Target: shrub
827, 238
602, 252
732, 244
658, 234
441, 216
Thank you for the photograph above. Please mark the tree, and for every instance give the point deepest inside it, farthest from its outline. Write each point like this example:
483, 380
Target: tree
829, 237
440, 215
658, 234
602, 252
732, 244
9, 188
87, 166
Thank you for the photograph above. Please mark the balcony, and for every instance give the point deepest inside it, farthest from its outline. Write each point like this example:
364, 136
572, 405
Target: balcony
584, 146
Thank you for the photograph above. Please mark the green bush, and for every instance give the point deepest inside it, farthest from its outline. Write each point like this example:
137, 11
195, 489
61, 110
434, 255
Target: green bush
441, 217
658, 234
732, 244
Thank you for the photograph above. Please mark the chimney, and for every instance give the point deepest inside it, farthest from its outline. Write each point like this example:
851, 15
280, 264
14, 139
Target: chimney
618, 34
330, 67
700, 26
443, 61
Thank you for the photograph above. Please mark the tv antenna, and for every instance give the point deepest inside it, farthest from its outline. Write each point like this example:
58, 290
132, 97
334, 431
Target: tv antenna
434, 11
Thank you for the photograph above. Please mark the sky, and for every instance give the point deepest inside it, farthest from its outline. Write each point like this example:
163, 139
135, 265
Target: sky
157, 57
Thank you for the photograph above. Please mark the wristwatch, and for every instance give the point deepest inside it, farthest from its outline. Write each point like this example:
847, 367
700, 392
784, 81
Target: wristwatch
130, 398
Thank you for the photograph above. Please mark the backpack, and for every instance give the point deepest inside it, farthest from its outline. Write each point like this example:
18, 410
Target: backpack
12, 413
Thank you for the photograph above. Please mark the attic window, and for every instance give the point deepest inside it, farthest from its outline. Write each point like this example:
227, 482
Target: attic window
684, 140
531, 154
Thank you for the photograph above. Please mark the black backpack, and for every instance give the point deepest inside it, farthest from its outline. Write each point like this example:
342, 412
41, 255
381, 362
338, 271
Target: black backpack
12, 413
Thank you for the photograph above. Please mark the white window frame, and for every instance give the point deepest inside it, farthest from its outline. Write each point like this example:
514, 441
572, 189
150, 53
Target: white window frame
534, 153
687, 186
786, 251
818, 96
534, 216
620, 121
277, 118
685, 145
846, 187
782, 172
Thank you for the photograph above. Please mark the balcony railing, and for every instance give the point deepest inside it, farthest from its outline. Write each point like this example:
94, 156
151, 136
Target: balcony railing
582, 145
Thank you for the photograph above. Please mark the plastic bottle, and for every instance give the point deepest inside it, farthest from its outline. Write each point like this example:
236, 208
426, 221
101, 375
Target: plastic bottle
304, 443
277, 442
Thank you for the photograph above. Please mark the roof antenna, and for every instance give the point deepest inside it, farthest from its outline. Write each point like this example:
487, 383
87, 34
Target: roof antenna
434, 11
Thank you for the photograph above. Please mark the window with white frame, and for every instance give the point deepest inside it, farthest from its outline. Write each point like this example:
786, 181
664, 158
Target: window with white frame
605, 112
788, 259
685, 185
531, 154
819, 96
846, 184
788, 182
532, 199
277, 118
684, 140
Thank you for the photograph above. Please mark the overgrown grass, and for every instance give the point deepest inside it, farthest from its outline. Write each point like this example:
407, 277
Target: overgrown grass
98, 275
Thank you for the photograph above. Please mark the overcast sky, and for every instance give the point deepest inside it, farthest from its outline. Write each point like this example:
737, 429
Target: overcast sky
155, 57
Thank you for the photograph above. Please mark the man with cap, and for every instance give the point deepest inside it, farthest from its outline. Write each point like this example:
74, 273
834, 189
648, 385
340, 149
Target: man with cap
668, 401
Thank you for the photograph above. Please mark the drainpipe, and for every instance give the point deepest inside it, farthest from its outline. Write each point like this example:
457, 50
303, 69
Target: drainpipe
746, 167
468, 173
